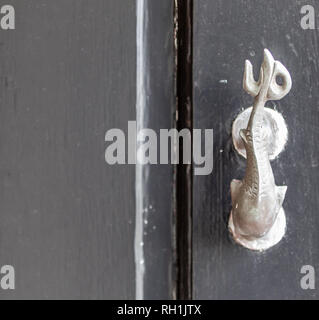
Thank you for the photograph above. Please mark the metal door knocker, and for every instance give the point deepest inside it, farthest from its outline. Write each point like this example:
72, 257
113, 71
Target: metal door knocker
257, 220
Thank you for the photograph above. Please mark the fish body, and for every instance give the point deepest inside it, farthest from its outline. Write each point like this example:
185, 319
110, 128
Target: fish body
256, 200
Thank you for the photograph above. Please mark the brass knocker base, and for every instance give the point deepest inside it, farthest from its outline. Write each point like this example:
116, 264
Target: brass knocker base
274, 235
274, 127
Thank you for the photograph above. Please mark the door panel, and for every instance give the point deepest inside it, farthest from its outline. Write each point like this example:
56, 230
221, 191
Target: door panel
226, 33
72, 225
67, 76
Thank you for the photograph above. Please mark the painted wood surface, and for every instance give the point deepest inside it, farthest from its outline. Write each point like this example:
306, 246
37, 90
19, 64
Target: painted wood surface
67, 75
155, 241
225, 34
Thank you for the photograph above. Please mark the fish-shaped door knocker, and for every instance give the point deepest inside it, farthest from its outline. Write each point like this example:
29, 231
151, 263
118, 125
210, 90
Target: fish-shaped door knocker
257, 220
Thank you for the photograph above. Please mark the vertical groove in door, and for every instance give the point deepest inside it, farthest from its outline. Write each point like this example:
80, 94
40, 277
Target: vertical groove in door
184, 87
141, 62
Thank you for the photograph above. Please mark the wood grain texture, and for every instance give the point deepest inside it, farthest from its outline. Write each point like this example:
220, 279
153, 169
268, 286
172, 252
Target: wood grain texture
225, 34
67, 75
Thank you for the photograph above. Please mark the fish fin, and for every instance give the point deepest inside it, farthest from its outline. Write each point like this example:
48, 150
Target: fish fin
244, 135
234, 189
281, 192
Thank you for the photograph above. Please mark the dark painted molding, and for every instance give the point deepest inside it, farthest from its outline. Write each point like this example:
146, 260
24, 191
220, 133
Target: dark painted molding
184, 79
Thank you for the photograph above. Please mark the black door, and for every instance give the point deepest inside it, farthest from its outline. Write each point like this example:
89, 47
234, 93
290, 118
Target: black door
74, 226
225, 34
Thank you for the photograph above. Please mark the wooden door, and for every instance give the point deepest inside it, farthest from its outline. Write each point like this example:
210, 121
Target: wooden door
225, 34
72, 225
65, 80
